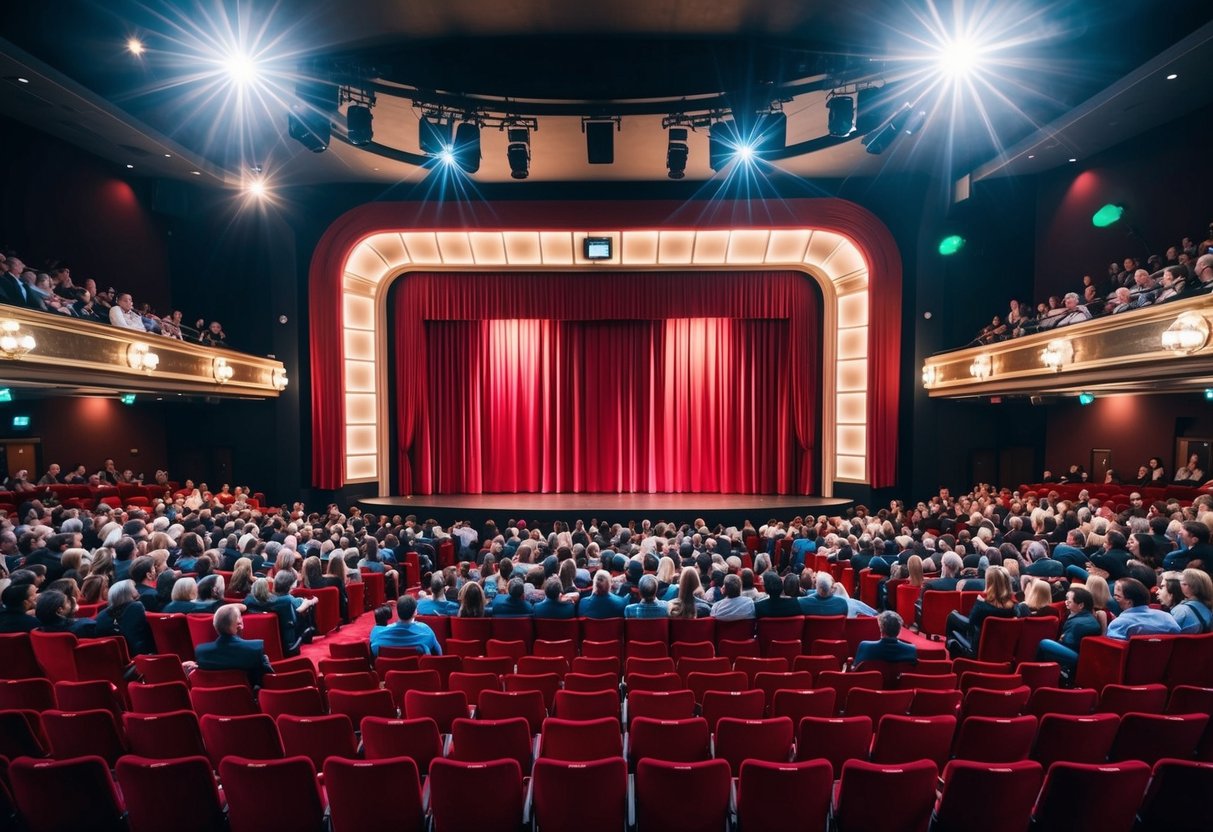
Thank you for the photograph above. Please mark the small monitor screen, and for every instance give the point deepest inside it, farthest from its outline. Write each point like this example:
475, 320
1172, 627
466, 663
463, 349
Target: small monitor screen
21, 421
597, 248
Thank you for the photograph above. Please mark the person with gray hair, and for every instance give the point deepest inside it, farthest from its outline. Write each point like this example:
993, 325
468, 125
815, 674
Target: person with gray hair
1203, 271
126, 616
230, 651
648, 606
823, 601
889, 648
601, 603
1073, 312
949, 580
733, 606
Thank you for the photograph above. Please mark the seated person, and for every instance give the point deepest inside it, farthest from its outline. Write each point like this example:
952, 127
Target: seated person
733, 606
964, 632
230, 651
823, 601
649, 606
1136, 617
782, 599
1190, 474
125, 616
513, 603
210, 593
54, 611
601, 603
437, 603
185, 598
1195, 612
406, 632
259, 599
18, 602
1080, 623
555, 605
889, 648
143, 573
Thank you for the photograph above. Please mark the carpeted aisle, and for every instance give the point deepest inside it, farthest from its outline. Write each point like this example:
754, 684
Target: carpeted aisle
358, 630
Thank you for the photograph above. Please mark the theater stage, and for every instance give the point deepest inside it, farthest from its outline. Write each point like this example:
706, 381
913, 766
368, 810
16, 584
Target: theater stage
727, 509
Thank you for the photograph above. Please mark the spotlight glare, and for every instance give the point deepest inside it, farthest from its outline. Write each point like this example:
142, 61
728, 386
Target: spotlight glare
447, 155
745, 153
241, 69
958, 58
256, 187
134, 46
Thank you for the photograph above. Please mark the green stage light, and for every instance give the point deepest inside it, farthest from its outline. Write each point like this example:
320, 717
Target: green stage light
6, 394
1108, 215
1209, 394
128, 398
1085, 398
21, 421
950, 245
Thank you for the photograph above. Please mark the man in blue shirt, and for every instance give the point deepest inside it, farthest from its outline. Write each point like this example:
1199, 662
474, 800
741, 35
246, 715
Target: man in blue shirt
1080, 624
890, 648
823, 601
513, 603
602, 603
437, 604
648, 606
1136, 617
406, 632
554, 606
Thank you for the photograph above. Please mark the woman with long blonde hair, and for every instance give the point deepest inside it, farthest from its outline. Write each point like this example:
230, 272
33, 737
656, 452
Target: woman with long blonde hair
998, 601
686, 604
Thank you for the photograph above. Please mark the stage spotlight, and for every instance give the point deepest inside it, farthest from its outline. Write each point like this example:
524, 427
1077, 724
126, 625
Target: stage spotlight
1085, 399
879, 140
951, 244
1209, 394
677, 152
841, 121
241, 69
358, 127
599, 141
134, 46
308, 122
446, 156
958, 57
722, 143
433, 135
745, 153
915, 121
518, 151
1107, 215
256, 187
466, 148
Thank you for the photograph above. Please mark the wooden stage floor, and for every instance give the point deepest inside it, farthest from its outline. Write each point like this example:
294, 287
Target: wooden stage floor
728, 509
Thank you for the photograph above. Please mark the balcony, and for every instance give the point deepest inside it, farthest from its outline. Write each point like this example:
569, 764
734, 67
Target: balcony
46, 350
1162, 348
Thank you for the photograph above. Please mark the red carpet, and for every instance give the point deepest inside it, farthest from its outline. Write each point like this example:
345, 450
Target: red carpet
358, 630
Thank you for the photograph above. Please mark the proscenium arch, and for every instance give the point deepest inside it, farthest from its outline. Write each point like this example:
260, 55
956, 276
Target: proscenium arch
371, 253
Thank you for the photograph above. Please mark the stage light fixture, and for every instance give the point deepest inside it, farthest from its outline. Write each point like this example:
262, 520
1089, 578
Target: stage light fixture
951, 244
1209, 394
358, 127
878, 141
1085, 399
433, 135
127, 398
466, 148
256, 187
447, 156
915, 122
308, 122
959, 57
6, 394
677, 152
134, 46
600, 140
241, 68
841, 120
1107, 215
518, 151
722, 143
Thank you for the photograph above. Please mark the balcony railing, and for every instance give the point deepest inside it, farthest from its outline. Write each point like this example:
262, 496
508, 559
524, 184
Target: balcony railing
54, 350
1159, 348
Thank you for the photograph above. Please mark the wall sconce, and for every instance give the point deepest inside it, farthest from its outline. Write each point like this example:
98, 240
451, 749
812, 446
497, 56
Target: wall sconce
1057, 354
982, 367
223, 371
140, 356
1189, 333
279, 379
14, 343
929, 374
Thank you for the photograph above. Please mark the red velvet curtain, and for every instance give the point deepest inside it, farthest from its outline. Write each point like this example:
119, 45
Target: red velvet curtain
613, 383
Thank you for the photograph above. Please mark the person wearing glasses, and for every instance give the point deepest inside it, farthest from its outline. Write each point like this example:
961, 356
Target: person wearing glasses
1136, 617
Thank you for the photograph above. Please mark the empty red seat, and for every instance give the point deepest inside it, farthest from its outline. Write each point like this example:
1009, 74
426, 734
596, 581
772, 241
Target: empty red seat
1076, 701
252, 737
692, 649
514, 650
373, 794
700, 683
218, 679
17, 660
451, 784
157, 669
656, 781
385, 739
844, 683
357, 704
361, 680
317, 737
1123, 699
835, 739
228, 701
902, 739
1151, 737
1076, 739
297, 702
987, 702
679, 704
1168, 801
754, 739
798, 704
47, 803
443, 707
183, 790
574, 705
397, 682
878, 703
601, 664
935, 703
498, 665
990, 797
995, 739
577, 741
1188, 699
545, 683
653, 681
164, 736
751, 666
1109, 795
92, 733
580, 797
481, 740
648, 665
590, 682
91, 695
784, 797
159, 699
471, 684
558, 665
673, 740
27, 694
743, 704
527, 704
906, 796
248, 784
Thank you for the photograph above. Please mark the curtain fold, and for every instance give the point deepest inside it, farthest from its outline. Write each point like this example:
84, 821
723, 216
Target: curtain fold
652, 383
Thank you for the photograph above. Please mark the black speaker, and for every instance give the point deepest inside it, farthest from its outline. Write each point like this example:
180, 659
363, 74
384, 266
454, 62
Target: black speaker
467, 147
600, 142
433, 135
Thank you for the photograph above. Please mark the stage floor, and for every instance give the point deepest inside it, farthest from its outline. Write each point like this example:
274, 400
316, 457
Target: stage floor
728, 509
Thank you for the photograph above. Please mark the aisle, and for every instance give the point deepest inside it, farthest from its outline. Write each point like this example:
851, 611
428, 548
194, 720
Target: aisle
359, 630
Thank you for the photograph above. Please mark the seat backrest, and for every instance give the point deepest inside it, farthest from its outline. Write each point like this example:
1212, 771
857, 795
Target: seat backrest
1124, 699
929, 702
156, 669
155, 789
578, 741
844, 683
907, 795
601, 664
163, 736
317, 737
586, 797
91, 802
742, 704
769, 683
544, 664
399, 681
589, 682
1167, 801
480, 740
363, 680
297, 701
1152, 737
782, 797
235, 700
999, 642
1077, 739
878, 703
443, 707
902, 739
357, 704
527, 704
27, 694
246, 783
995, 739
252, 737
545, 683
17, 660
201, 678
798, 704
836, 739
419, 739
571, 704
993, 798
1109, 794
679, 704
754, 739
451, 782
673, 740
987, 702
84, 733
700, 683
1075, 701
159, 699
656, 780
989, 681
1034, 631
373, 794
56, 654
171, 633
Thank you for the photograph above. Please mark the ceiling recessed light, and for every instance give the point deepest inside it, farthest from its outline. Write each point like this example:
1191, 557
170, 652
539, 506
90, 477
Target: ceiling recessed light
1172, 76
130, 167
196, 172
168, 155
1073, 160
1031, 155
134, 46
21, 80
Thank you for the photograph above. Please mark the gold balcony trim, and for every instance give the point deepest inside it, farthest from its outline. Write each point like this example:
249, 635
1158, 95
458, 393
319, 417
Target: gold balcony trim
72, 352
1115, 352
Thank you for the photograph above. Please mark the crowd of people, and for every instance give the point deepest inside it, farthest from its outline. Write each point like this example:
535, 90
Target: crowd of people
1151, 474
1029, 554
52, 290
1184, 271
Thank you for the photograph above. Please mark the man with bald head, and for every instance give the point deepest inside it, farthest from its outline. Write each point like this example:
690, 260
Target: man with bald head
230, 651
